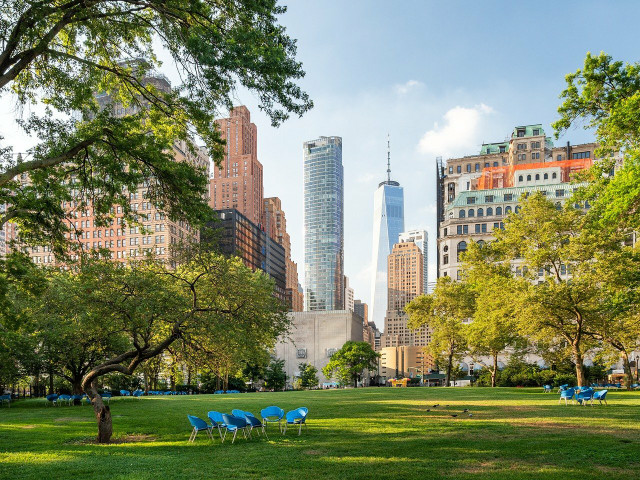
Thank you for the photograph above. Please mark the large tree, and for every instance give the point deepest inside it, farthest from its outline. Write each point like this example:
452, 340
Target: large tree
108, 124
605, 95
444, 312
146, 308
349, 363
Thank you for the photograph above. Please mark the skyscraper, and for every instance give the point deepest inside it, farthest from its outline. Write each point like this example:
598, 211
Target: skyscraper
324, 224
419, 237
388, 222
238, 182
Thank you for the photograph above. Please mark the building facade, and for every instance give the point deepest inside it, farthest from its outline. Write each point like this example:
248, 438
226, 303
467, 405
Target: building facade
388, 223
238, 183
155, 233
405, 282
324, 224
403, 362
239, 236
276, 224
420, 238
477, 192
314, 337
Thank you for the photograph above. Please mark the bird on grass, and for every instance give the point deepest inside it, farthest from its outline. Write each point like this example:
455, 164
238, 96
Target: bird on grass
454, 415
471, 414
428, 409
465, 410
436, 405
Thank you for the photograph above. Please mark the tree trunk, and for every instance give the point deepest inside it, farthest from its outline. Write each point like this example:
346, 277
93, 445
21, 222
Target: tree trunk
447, 379
50, 382
627, 369
494, 372
577, 357
103, 415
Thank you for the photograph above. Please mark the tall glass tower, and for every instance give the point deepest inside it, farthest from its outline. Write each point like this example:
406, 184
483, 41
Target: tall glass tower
323, 224
388, 223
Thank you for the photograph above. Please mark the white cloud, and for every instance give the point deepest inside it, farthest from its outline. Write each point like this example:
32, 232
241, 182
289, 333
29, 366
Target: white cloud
404, 88
366, 177
459, 133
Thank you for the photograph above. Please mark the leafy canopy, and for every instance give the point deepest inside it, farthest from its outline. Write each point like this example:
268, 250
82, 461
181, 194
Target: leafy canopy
109, 122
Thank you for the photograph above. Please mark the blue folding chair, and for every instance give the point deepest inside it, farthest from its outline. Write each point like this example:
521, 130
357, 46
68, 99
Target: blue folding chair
584, 395
295, 417
217, 422
198, 425
52, 399
234, 424
64, 398
272, 414
547, 388
125, 393
566, 395
600, 396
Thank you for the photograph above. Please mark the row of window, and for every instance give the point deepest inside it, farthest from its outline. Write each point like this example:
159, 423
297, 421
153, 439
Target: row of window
478, 228
475, 168
489, 212
545, 176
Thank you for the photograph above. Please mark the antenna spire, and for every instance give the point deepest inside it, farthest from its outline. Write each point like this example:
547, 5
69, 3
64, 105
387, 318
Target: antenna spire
388, 159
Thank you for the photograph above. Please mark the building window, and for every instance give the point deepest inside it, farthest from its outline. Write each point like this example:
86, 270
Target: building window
459, 169
445, 232
536, 132
508, 197
560, 193
477, 228
521, 132
471, 200
558, 206
484, 228
507, 210
445, 259
465, 229
528, 178
502, 149
498, 210
459, 229
520, 178
488, 199
461, 214
477, 167
517, 208
580, 155
522, 146
546, 176
554, 175
462, 247
472, 213
489, 211
537, 177
481, 212
486, 164
495, 164
468, 168
450, 169
559, 157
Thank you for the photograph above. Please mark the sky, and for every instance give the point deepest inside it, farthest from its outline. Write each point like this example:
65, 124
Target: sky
440, 78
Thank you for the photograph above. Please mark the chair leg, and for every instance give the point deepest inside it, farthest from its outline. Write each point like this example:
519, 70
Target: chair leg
300, 429
235, 432
225, 435
265, 432
284, 432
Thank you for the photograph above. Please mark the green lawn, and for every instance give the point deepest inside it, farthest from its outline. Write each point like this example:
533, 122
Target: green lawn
366, 433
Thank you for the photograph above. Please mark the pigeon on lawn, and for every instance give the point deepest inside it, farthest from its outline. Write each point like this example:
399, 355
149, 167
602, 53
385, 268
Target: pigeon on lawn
471, 414
428, 409
465, 410
454, 415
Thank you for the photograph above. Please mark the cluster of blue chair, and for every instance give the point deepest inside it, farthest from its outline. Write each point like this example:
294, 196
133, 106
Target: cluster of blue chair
55, 400
240, 420
608, 385
5, 399
218, 392
583, 396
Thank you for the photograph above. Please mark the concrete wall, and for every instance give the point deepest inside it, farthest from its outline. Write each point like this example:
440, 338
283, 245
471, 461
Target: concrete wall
314, 336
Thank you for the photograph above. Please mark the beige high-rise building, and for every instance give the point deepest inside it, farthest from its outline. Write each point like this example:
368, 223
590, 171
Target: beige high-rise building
155, 234
405, 281
238, 182
276, 227
403, 361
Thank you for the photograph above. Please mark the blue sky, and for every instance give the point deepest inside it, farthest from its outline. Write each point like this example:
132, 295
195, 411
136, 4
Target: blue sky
439, 77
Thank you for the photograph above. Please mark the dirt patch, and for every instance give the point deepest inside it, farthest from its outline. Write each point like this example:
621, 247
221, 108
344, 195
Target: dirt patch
313, 452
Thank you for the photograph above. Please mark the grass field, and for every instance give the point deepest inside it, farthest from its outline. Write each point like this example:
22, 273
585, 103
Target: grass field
366, 433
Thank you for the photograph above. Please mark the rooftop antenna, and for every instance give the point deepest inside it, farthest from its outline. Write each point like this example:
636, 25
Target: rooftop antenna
388, 159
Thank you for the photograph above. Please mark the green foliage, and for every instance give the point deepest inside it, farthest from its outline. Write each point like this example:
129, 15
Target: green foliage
348, 364
308, 376
443, 313
95, 61
275, 377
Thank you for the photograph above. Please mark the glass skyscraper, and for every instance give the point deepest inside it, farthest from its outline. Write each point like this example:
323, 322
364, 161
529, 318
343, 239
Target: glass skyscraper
388, 223
323, 224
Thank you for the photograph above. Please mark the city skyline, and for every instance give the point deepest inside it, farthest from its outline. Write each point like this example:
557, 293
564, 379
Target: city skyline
432, 106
